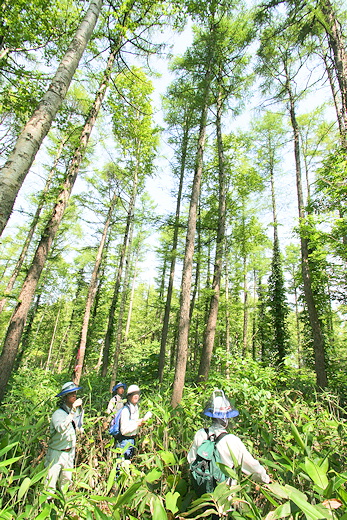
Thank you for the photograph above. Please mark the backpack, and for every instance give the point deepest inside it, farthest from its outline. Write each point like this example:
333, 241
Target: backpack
114, 428
204, 470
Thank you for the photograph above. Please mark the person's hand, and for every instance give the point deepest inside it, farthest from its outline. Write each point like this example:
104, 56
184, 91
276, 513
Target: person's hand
147, 416
76, 404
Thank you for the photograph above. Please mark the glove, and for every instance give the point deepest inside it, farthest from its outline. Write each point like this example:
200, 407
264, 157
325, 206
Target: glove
147, 416
76, 404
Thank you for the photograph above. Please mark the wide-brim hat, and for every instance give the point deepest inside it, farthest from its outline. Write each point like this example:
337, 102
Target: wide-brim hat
119, 385
218, 406
67, 388
221, 415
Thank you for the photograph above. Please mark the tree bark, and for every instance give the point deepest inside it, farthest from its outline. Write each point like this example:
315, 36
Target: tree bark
166, 320
91, 294
17, 323
13, 173
318, 338
112, 310
183, 325
31, 232
210, 331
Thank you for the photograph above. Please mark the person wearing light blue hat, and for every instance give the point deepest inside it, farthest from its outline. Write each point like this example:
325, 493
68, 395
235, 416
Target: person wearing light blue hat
116, 402
220, 411
65, 421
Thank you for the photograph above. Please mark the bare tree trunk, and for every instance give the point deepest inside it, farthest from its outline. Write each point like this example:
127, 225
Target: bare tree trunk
112, 310
13, 173
33, 225
91, 294
337, 44
318, 338
52, 341
227, 320
17, 323
210, 331
183, 326
131, 300
122, 306
166, 320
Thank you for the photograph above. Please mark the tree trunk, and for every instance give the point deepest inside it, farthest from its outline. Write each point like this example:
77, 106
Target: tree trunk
52, 341
183, 326
337, 44
123, 301
91, 294
210, 331
318, 338
13, 173
17, 323
112, 310
165, 328
33, 225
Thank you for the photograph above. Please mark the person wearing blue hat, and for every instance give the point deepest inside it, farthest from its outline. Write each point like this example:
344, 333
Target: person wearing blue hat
65, 421
116, 402
220, 411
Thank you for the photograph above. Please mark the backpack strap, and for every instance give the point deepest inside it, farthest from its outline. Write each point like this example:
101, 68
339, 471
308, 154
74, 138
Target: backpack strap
220, 437
126, 405
217, 439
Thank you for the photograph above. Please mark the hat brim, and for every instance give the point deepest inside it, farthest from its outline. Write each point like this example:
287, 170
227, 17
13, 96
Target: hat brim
220, 415
69, 391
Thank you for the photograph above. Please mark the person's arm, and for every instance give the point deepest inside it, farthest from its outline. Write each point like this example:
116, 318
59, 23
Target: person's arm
110, 406
249, 465
62, 420
199, 438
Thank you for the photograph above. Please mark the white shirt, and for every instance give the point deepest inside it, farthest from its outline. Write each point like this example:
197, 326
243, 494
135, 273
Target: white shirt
129, 421
249, 465
62, 432
114, 404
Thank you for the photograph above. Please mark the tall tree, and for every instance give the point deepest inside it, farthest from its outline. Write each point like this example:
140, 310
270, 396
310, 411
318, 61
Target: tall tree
13, 173
15, 328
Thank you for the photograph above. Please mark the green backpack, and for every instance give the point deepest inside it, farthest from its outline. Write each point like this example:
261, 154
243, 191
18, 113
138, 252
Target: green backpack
204, 470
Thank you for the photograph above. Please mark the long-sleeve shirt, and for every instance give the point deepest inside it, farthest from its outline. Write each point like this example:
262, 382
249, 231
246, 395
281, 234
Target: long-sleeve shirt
62, 431
114, 404
129, 420
249, 465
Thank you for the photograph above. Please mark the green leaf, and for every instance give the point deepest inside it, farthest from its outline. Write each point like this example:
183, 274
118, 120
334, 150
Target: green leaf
282, 511
159, 512
168, 457
7, 448
24, 487
45, 513
153, 475
100, 514
301, 501
7, 462
111, 479
171, 501
298, 438
316, 473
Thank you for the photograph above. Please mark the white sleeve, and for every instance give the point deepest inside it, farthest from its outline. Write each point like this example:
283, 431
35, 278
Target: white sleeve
249, 465
199, 438
61, 420
110, 406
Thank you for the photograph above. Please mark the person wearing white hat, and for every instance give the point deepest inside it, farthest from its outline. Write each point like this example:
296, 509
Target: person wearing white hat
130, 422
65, 421
219, 409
